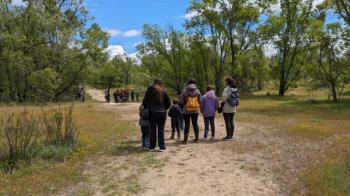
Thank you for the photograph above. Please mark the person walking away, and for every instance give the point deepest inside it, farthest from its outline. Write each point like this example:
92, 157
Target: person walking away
82, 95
190, 99
175, 115
144, 124
137, 96
157, 101
230, 98
107, 96
209, 105
132, 94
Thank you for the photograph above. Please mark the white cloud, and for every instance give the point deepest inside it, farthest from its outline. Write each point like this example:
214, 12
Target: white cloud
270, 50
120, 33
118, 50
114, 32
19, 3
135, 57
115, 50
131, 33
190, 15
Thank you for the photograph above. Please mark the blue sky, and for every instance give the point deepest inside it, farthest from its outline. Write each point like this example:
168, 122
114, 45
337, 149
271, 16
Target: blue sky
124, 19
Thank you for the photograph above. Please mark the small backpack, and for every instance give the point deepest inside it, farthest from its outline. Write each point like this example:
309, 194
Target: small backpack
233, 100
192, 104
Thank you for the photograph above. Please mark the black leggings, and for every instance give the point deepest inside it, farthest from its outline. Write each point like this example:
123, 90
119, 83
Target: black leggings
230, 126
194, 119
157, 123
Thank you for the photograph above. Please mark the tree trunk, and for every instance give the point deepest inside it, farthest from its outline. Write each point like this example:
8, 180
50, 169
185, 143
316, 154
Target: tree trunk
282, 89
259, 84
334, 92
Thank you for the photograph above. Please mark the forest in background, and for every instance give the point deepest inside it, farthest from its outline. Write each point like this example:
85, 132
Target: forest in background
49, 49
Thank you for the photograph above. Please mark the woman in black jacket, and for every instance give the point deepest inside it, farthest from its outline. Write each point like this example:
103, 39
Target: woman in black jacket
157, 102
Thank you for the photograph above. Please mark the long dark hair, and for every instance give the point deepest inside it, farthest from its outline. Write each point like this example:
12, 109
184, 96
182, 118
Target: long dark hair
159, 87
230, 82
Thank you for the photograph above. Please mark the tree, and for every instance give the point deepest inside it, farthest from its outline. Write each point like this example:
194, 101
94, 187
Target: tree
288, 31
331, 63
171, 46
46, 35
343, 9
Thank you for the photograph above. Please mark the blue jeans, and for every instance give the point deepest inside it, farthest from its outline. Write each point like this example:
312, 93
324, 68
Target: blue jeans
145, 136
207, 121
230, 126
175, 123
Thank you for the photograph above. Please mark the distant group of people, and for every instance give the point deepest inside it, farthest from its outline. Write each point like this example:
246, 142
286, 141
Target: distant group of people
122, 96
185, 109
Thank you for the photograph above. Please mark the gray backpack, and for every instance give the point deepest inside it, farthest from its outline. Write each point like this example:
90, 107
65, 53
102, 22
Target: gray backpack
233, 100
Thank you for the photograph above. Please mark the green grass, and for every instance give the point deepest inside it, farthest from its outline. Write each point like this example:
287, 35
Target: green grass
329, 179
331, 176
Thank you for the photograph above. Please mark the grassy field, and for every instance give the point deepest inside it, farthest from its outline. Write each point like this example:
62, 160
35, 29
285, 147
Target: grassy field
313, 137
98, 130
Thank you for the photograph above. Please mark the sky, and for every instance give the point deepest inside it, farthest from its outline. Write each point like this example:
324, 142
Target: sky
123, 19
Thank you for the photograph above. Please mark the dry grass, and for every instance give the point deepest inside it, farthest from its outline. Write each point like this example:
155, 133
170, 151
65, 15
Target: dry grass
99, 129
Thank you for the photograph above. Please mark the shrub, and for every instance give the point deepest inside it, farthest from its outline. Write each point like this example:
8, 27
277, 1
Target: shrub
60, 126
20, 133
56, 153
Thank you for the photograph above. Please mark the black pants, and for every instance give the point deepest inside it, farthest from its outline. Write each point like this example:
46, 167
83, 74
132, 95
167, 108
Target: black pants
175, 126
207, 121
194, 119
157, 123
145, 136
230, 126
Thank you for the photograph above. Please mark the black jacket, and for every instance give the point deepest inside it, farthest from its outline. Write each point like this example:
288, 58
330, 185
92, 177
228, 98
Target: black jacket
153, 104
175, 112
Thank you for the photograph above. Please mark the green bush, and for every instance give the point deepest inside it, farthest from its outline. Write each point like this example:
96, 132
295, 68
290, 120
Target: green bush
56, 153
20, 133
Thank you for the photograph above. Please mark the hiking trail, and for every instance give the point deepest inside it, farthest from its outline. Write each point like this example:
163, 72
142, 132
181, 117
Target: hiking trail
210, 167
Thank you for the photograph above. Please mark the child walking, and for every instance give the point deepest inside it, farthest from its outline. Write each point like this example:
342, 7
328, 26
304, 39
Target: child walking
175, 115
144, 124
210, 104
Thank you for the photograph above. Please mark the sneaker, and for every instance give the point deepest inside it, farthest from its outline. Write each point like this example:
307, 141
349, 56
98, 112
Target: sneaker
230, 138
162, 150
151, 150
225, 138
196, 140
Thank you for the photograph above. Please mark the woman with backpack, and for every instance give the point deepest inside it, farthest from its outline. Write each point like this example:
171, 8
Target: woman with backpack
230, 98
190, 100
157, 102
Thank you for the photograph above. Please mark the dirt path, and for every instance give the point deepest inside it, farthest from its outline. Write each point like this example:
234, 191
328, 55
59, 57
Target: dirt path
211, 167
